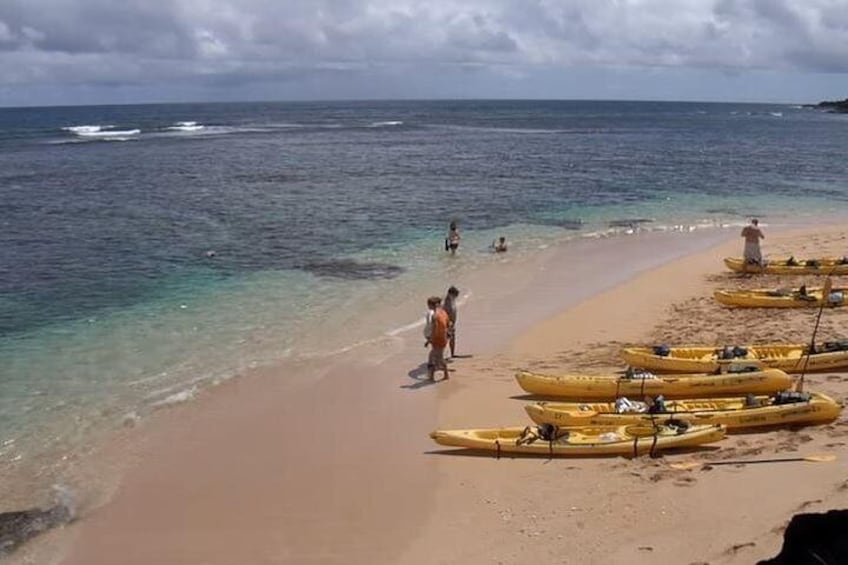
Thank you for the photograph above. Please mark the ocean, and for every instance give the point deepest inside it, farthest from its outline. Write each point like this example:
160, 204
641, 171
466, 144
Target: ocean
150, 251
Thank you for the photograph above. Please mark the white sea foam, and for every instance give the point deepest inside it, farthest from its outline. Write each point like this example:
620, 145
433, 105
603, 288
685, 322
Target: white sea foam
149, 379
216, 130
118, 133
101, 131
130, 419
386, 124
176, 398
405, 328
90, 139
186, 126
344, 349
65, 497
776, 114
181, 384
82, 130
284, 125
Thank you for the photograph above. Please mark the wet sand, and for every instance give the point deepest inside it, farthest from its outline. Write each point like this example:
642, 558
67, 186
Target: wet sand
330, 462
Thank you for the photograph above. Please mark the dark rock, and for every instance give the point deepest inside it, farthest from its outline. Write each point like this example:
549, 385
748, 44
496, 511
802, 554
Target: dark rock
567, 224
629, 222
353, 270
564, 223
840, 106
726, 211
814, 539
17, 527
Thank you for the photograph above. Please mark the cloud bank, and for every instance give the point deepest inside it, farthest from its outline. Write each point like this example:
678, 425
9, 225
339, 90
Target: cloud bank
362, 47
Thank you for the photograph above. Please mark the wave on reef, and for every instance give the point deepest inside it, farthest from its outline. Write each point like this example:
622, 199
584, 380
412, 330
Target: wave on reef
186, 126
97, 131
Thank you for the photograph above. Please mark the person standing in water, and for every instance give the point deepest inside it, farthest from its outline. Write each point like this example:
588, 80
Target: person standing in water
449, 306
499, 245
753, 234
452, 240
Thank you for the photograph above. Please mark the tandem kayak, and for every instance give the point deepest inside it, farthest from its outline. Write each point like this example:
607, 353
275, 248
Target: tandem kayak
782, 409
782, 298
585, 387
580, 441
792, 358
790, 266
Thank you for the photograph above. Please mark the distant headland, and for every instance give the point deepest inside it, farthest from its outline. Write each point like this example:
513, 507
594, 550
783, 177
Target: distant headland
840, 106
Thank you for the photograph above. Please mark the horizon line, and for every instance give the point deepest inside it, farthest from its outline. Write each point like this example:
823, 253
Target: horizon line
388, 100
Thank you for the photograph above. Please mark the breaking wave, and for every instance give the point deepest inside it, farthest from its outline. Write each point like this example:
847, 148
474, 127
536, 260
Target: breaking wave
186, 126
106, 131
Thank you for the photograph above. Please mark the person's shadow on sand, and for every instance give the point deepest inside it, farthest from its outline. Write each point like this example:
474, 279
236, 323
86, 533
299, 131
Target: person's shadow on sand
419, 373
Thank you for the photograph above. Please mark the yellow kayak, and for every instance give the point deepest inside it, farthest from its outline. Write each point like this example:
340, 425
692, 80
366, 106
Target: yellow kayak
585, 387
790, 266
792, 358
580, 441
791, 408
781, 298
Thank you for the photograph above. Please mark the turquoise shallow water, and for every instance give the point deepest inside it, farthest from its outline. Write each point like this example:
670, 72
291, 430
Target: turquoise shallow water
112, 306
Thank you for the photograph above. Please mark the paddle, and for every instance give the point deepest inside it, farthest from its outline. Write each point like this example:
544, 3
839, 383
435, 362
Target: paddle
828, 285
824, 458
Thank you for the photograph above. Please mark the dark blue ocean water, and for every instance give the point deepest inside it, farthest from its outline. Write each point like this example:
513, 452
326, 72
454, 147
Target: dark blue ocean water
110, 301
98, 221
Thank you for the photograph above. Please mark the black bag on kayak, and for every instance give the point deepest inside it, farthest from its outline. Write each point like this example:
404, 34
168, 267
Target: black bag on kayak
790, 397
662, 350
548, 432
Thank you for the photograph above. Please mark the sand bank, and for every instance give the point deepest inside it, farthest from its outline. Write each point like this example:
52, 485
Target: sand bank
330, 462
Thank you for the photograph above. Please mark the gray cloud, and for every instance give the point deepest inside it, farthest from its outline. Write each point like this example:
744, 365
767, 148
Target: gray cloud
215, 42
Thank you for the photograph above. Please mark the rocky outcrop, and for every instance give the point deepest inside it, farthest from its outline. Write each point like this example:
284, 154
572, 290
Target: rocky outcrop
840, 106
814, 539
19, 526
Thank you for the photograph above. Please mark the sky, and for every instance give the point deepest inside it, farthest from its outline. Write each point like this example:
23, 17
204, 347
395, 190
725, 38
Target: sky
136, 51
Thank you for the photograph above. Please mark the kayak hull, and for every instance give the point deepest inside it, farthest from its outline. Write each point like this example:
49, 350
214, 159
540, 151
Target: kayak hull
584, 387
782, 266
791, 358
733, 413
582, 441
765, 298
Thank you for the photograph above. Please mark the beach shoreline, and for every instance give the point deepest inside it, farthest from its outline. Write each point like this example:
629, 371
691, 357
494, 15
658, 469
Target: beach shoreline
340, 460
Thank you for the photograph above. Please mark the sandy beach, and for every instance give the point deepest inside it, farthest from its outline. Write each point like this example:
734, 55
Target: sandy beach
639, 511
330, 462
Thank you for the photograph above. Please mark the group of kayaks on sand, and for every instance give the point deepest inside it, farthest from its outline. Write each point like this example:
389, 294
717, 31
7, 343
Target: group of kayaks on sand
752, 262
781, 297
692, 395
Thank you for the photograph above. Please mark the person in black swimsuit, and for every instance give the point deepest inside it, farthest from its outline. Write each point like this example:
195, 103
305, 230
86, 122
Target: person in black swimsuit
452, 240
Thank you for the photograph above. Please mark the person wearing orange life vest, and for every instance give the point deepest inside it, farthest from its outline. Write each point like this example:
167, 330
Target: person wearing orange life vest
436, 335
